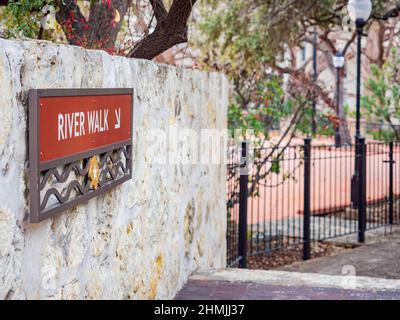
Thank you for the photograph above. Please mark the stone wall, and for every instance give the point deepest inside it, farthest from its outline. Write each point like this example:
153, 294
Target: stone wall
144, 238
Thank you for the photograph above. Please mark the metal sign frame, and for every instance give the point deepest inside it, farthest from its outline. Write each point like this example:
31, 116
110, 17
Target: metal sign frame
41, 173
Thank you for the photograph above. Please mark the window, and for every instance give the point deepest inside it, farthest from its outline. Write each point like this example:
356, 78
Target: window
303, 53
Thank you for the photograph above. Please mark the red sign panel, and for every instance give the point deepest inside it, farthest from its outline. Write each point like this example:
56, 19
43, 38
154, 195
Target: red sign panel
70, 125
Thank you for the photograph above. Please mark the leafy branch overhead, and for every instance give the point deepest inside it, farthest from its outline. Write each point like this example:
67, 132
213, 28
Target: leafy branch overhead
381, 104
253, 40
98, 23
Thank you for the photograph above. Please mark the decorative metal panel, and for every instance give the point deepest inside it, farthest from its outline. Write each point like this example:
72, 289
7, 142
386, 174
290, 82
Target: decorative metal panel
65, 172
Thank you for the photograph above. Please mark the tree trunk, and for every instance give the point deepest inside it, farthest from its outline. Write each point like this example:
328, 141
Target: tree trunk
171, 29
100, 31
104, 28
73, 22
375, 46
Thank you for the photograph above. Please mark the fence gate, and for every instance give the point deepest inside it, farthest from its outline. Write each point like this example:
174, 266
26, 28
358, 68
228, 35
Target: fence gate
294, 195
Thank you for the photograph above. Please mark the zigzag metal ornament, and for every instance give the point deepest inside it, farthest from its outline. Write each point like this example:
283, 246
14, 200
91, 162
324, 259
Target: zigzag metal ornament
80, 146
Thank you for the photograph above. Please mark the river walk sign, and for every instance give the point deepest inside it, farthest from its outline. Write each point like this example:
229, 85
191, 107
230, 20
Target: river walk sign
80, 145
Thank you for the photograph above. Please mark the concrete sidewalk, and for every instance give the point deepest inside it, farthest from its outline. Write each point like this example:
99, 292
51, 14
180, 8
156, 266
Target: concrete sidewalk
242, 284
369, 272
379, 258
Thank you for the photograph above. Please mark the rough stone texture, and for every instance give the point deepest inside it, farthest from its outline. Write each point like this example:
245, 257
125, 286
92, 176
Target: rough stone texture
142, 239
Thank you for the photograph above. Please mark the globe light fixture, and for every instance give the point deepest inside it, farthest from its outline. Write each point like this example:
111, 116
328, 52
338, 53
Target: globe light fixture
359, 10
338, 60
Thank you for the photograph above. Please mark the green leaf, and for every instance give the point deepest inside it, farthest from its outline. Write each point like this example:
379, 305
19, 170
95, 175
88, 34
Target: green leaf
275, 166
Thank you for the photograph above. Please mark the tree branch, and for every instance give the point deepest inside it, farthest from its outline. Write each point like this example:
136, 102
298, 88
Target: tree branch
348, 44
393, 13
324, 37
170, 30
302, 81
159, 9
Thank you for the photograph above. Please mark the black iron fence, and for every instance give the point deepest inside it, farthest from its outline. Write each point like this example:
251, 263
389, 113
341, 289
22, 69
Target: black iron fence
294, 195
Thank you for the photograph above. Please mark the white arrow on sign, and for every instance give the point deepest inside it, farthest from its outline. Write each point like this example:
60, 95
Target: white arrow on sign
118, 117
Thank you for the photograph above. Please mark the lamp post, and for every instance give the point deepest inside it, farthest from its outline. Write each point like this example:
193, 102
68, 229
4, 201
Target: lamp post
338, 63
314, 77
359, 11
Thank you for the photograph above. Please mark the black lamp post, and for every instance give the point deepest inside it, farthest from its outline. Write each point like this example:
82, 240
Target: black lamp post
338, 63
359, 11
315, 76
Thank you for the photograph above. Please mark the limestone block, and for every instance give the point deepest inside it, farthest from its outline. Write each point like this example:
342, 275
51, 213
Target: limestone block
142, 239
